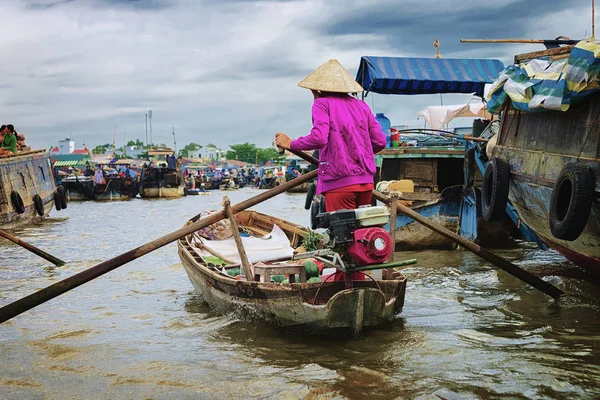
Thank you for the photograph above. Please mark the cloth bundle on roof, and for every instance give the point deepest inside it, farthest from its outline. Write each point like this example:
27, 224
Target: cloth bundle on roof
543, 85
401, 75
438, 116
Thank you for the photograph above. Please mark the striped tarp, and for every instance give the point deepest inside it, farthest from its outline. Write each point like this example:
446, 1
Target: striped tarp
69, 163
401, 75
541, 84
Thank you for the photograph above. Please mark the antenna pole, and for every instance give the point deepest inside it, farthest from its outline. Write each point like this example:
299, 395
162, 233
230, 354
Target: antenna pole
174, 141
593, 22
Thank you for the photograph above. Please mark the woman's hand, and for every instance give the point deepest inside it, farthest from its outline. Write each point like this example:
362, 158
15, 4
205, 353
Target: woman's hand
282, 140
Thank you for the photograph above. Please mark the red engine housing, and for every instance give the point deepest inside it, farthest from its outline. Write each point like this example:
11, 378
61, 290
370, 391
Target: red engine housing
370, 246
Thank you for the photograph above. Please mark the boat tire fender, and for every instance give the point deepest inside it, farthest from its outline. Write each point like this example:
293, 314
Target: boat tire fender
310, 194
17, 202
60, 190
494, 193
571, 201
38, 204
57, 200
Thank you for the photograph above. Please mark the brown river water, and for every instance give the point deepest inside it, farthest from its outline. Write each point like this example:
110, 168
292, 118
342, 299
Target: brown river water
467, 331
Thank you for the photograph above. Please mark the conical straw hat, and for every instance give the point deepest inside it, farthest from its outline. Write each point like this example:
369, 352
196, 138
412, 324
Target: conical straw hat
331, 77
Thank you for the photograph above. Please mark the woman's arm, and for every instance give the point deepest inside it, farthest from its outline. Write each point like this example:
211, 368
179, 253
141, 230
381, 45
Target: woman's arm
319, 134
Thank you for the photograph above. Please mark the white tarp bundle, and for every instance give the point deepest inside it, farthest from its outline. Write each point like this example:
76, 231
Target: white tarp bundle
438, 116
270, 247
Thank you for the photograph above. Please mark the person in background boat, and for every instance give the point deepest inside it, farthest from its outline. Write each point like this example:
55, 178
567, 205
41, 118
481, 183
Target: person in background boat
129, 173
99, 175
347, 135
10, 139
122, 171
88, 169
172, 162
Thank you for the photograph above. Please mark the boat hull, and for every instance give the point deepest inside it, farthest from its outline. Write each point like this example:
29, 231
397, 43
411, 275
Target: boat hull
28, 174
293, 305
285, 305
457, 210
162, 192
536, 147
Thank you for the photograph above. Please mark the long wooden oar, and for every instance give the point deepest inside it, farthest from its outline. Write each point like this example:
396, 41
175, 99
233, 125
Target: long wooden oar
27, 303
54, 260
498, 261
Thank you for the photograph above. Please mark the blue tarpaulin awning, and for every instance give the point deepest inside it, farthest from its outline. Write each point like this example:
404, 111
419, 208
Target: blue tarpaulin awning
401, 75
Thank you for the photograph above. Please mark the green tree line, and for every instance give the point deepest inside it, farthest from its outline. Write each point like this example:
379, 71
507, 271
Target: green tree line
246, 152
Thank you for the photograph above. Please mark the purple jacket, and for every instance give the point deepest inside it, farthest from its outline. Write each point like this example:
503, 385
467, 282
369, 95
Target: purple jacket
348, 136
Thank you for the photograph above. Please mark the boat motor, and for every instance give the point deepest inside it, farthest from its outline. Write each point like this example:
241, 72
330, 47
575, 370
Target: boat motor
358, 235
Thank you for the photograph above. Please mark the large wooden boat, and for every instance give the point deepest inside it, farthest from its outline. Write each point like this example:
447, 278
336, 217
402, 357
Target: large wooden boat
555, 155
161, 182
314, 307
28, 188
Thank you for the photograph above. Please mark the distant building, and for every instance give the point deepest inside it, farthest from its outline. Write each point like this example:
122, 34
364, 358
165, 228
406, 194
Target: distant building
66, 146
213, 152
196, 153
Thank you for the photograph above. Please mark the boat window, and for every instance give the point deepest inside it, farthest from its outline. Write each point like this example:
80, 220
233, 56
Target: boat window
43, 174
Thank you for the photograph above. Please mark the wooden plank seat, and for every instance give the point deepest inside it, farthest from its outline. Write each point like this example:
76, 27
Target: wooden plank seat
267, 271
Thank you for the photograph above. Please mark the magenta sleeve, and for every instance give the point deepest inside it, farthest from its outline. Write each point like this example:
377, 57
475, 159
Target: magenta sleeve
317, 138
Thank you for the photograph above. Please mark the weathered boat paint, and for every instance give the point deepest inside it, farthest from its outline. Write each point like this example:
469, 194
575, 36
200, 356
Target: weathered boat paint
537, 146
367, 304
28, 173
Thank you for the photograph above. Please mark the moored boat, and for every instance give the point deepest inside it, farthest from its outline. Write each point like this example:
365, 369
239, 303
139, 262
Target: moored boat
445, 187
79, 188
28, 189
161, 182
315, 307
546, 159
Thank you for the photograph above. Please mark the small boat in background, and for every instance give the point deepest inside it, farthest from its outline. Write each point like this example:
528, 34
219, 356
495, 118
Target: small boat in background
159, 182
79, 188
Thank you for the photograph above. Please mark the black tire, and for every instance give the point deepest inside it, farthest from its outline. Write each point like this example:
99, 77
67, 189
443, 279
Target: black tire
571, 202
58, 200
38, 204
312, 188
63, 196
494, 194
17, 202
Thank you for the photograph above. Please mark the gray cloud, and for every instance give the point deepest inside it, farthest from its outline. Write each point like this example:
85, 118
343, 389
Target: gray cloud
227, 71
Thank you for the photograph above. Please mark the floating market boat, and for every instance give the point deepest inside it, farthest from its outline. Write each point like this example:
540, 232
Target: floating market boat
161, 182
546, 156
446, 186
79, 187
315, 307
27, 188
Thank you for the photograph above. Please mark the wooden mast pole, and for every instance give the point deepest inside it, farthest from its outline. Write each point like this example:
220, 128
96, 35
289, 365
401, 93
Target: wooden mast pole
593, 21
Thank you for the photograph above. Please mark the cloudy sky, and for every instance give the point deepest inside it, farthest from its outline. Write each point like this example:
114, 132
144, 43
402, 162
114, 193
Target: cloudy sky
225, 71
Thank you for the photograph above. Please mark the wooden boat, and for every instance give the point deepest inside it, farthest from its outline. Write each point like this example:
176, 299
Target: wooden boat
160, 182
79, 188
300, 188
314, 307
116, 188
438, 166
27, 188
552, 159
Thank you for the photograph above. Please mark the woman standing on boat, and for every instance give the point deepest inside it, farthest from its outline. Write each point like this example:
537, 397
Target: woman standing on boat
347, 135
